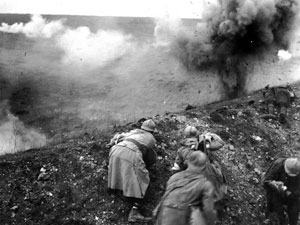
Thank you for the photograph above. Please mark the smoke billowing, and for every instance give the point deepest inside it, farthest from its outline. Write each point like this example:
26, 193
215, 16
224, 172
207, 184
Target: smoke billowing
37, 27
83, 47
64, 76
14, 135
80, 47
232, 32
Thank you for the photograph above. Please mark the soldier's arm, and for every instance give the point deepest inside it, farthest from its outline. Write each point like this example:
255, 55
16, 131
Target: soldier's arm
179, 159
272, 175
208, 202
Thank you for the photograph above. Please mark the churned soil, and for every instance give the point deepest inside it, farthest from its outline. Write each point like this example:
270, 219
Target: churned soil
66, 181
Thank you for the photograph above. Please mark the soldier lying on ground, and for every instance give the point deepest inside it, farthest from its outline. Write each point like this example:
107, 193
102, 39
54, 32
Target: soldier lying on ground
129, 159
205, 143
282, 184
189, 196
279, 98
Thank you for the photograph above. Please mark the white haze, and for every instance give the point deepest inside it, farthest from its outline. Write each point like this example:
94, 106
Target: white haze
83, 48
15, 136
131, 79
36, 27
284, 55
80, 46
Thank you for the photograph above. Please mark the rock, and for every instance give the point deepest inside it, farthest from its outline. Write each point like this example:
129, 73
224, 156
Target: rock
256, 138
231, 147
189, 107
268, 117
251, 102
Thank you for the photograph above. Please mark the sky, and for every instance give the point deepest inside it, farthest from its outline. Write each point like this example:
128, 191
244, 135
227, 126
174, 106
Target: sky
133, 8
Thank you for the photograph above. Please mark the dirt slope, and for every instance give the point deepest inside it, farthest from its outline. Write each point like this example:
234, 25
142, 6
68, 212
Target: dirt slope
65, 183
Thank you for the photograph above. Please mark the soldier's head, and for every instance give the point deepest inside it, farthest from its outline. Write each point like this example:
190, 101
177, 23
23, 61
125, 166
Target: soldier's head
197, 160
292, 166
148, 125
190, 131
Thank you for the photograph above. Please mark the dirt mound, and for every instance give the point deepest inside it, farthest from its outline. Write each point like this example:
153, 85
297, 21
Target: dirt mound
66, 183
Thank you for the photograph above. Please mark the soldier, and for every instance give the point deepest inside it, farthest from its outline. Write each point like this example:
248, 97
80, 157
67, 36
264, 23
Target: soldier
206, 142
279, 97
270, 99
282, 184
283, 102
189, 196
129, 159
189, 145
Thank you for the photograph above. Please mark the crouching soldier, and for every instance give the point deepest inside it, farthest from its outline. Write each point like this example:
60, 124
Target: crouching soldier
188, 147
206, 143
279, 97
282, 184
270, 99
189, 196
283, 102
129, 159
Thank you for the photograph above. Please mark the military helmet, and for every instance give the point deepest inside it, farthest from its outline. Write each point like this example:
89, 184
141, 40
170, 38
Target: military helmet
197, 159
292, 166
148, 125
190, 131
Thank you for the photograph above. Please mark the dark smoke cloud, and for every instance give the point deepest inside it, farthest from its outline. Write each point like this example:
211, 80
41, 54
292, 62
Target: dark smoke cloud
232, 32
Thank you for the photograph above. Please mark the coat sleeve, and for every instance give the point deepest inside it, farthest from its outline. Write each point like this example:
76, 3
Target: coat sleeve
150, 155
273, 174
208, 203
179, 159
216, 142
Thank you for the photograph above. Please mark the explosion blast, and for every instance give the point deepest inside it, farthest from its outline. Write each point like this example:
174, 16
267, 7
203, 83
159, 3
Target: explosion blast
232, 32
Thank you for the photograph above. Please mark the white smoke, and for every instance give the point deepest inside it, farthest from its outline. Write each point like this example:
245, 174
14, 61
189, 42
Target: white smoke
82, 47
166, 30
14, 136
36, 27
284, 55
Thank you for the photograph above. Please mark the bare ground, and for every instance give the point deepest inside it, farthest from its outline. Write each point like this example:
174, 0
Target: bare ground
72, 188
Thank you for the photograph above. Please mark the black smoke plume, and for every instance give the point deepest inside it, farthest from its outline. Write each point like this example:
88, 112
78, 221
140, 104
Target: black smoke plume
232, 32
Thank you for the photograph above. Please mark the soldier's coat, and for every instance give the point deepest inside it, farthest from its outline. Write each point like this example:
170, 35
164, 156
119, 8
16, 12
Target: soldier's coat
127, 164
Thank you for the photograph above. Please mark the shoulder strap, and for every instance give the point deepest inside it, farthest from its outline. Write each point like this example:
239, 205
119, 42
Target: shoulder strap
149, 156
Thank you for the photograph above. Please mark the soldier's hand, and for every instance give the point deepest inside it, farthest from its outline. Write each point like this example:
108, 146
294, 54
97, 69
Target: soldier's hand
288, 193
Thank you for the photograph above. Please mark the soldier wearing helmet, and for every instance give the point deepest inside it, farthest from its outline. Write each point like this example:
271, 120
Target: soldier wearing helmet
189, 196
130, 157
188, 146
279, 98
282, 184
203, 143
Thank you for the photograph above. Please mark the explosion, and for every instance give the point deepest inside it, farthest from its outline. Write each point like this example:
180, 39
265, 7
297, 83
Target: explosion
14, 135
233, 31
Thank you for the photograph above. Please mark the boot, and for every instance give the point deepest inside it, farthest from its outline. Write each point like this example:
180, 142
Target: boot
282, 118
136, 216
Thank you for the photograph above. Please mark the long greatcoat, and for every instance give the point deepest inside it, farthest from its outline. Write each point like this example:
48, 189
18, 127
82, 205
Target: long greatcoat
128, 161
187, 193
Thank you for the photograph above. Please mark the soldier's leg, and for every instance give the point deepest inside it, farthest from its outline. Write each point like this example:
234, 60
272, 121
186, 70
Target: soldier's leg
135, 214
293, 211
270, 108
275, 206
282, 114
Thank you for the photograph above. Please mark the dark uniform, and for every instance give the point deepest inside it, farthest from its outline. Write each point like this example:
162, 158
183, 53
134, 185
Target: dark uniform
278, 197
279, 97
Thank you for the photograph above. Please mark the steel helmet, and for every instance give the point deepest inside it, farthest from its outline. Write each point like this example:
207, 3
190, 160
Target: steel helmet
292, 166
198, 159
148, 125
190, 131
